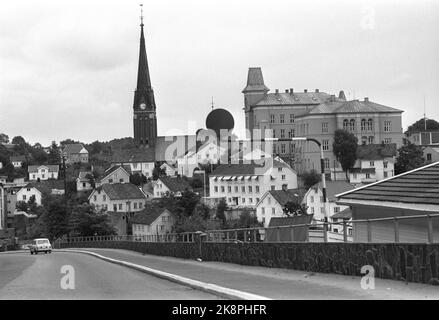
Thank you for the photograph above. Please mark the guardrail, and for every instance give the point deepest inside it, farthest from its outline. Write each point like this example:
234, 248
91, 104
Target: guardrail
313, 232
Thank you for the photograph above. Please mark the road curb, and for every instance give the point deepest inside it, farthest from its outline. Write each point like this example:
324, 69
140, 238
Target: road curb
195, 284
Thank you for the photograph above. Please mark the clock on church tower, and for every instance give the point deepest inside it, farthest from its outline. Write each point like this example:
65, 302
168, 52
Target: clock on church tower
145, 121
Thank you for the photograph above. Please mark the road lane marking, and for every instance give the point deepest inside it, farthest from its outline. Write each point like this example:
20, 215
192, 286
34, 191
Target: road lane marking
195, 284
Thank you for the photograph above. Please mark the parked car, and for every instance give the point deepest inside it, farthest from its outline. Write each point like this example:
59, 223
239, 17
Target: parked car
40, 245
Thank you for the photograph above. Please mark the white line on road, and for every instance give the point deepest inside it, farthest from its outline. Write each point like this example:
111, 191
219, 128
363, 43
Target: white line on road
195, 284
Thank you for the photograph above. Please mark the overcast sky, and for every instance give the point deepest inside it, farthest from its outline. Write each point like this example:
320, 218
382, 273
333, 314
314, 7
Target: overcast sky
68, 68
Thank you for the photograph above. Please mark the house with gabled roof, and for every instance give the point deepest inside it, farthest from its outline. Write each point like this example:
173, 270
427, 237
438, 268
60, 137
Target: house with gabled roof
17, 161
75, 153
43, 172
272, 203
39, 189
84, 181
138, 161
170, 185
120, 201
152, 221
115, 174
412, 193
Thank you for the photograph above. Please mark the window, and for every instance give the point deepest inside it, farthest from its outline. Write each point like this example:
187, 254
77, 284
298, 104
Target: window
243, 200
135, 205
322, 210
236, 188
273, 188
370, 140
352, 125
24, 197
282, 148
229, 189
257, 189
385, 164
140, 205
120, 180
345, 124
272, 118
283, 177
311, 199
369, 125
291, 118
387, 126
162, 227
273, 210
216, 188
385, 174
367, 175
250, 200
336, 210
282, 118
263, 210
114, 207
326, 163
120, 206
95, 198
110, 180
428, 156
312, 210
243, 189
324, 127
363, 124
250, 189
282, 133
387, 140
223, 189
372, 163
325, 145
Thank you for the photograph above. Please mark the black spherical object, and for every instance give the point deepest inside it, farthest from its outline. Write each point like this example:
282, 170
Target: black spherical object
219, 119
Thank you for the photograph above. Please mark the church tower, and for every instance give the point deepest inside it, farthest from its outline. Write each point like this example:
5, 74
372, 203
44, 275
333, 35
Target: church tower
145, 121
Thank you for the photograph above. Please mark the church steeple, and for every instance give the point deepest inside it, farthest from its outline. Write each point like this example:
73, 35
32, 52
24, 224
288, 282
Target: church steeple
145, 122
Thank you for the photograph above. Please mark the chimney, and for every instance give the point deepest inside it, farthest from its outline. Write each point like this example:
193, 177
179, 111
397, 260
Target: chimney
306, 90
285, 187
341, 95
286, 90
317, 90
332, 98
291, 91
277, 91
366, 99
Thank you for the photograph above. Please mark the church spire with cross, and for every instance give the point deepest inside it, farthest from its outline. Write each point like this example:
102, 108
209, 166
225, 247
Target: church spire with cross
145, 122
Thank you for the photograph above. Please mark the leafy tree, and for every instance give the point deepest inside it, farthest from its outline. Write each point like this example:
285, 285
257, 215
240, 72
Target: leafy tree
158, 172
196, 183
68, 141
188, 201
345, 149
55, 217
310, 178
21, 206
54, 156
4, 138
410, 156
420, 125
38, 156
85, 221
221, 209
18, 140
138, 179
292, 208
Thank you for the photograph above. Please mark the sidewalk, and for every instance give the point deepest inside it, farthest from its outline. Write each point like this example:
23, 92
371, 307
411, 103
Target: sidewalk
276, 283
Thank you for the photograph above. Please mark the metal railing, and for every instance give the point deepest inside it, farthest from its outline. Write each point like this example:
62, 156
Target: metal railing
317, 231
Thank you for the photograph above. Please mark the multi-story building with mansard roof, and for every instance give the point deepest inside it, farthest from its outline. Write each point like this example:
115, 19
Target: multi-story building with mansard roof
315, 114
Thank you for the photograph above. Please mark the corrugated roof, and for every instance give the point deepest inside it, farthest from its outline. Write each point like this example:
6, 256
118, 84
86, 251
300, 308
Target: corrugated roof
420, 186
376, 151
122, 191
148, 215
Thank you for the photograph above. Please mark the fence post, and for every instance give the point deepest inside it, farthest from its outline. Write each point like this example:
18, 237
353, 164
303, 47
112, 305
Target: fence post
430, 229
325, 231
255, 235
345, 232
278, 234
396, 224
292, 234
369, 231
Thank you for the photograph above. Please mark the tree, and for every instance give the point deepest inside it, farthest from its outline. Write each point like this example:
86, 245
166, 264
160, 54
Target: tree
39, 156
410, 156
138, 179
345, 149
221, 209
55, 217
4, 138
310, 178
420, 125
188, 201
158, 172
292, 208
18, 140
85, 221
54, 156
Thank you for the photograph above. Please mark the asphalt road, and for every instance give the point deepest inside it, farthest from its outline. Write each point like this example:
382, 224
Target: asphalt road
25, 276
